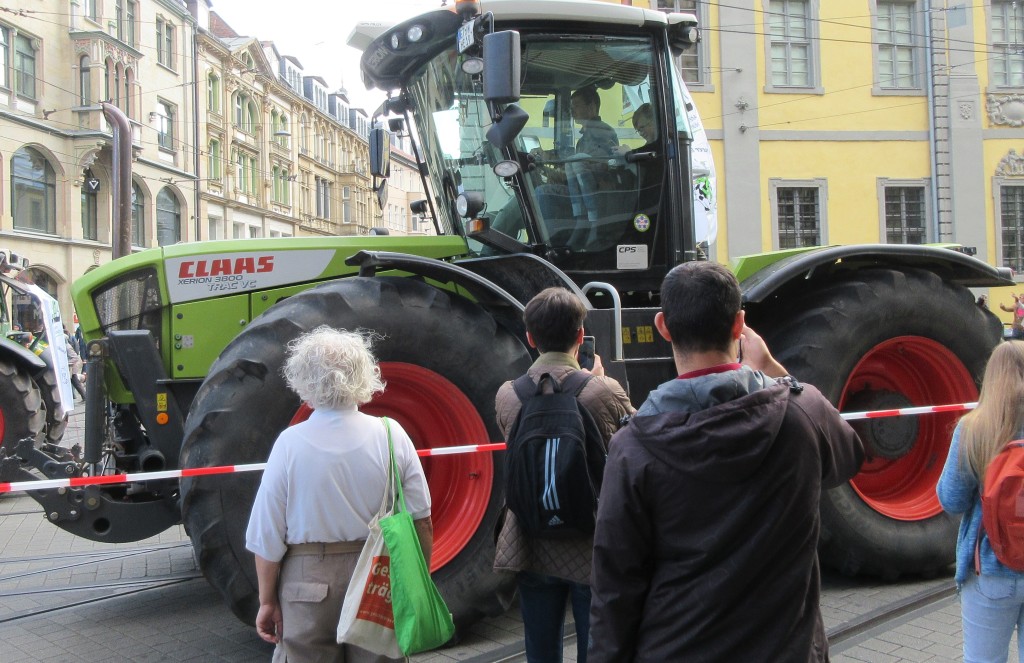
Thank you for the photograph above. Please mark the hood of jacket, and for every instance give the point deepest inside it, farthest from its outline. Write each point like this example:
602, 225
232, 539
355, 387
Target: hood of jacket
719, 426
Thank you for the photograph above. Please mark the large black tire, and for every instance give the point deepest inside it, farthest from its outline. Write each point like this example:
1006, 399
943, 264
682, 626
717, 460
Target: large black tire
443, 359
56, 421
883, 339
21, 407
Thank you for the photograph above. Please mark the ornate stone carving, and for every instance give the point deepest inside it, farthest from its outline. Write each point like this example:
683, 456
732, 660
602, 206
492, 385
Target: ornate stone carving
1012, 165
1005, 109
966, 110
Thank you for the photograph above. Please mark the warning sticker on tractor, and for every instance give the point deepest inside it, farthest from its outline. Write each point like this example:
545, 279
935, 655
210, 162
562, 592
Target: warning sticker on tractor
199, 277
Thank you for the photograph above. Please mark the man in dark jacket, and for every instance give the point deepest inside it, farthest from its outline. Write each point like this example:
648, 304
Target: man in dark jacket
707, 530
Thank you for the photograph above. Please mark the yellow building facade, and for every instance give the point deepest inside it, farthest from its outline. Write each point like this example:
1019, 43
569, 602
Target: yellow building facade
864, 121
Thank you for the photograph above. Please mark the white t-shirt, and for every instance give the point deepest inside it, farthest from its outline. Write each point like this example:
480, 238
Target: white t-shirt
325, 479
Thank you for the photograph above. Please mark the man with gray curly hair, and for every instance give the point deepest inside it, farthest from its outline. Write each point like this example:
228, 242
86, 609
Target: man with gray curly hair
324, 482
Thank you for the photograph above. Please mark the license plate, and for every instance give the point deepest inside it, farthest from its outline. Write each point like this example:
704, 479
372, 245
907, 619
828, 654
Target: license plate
467, 36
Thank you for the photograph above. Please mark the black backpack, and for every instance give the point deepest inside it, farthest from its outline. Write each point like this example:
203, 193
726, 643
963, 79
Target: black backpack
555, 459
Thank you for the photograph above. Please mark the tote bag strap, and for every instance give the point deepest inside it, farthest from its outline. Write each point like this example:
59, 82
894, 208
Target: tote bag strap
394, 484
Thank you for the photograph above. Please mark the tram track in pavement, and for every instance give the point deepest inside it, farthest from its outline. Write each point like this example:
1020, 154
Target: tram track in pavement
840, 637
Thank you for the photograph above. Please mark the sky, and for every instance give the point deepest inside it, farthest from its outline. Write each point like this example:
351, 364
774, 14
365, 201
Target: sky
315, 32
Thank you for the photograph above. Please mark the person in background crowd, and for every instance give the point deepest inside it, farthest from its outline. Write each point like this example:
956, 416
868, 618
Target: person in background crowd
74, 364
707, 528
324, 482
1017, 327
992, 600
549, 572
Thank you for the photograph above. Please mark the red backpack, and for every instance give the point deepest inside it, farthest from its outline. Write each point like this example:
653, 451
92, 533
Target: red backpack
1002, 506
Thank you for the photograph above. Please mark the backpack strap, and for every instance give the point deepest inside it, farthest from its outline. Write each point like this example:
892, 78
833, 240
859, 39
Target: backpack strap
524, 387
576, 381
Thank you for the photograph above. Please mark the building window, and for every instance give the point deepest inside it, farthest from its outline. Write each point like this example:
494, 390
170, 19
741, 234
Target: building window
791, 44
245, 113
129, 81
1011, 219
165, 43
84, 81
213, 160
246, 175
138, 216
125, 16
168, 218
897, 39
323, 198
1007, 55
798, 215
89, 9
33, 192
905, 215
24, 67
89, 207
213, 93
165, 129
281, 181
5, 54
691, 62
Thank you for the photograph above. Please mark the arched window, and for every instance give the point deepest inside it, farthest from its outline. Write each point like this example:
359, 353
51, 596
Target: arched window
129, 81
239, 101
138, 216
108, 74
168, 218
284, 129
84, 81
116, 85
250, 116
213, 93
90, 227
214, 160
304, 136
33, 192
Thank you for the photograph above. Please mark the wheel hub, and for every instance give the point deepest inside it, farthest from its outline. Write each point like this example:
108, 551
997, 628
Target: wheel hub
885, 437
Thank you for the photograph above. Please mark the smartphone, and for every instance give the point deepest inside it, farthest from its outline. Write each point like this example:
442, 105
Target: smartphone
585, 356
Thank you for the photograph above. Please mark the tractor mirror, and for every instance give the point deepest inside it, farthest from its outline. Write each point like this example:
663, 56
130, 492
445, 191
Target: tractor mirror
502, 62
380, 152
507, 126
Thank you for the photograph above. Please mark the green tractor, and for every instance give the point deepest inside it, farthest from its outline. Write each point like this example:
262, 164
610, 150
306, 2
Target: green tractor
31, 402
187, 342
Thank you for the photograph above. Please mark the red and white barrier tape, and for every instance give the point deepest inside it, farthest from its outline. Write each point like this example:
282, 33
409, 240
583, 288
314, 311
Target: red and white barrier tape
75, 482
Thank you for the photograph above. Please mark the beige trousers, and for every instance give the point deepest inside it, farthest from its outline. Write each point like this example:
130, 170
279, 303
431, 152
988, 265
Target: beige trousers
312, 590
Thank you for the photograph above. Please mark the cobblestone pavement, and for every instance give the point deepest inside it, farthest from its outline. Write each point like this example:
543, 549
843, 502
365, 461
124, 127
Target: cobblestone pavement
63, 598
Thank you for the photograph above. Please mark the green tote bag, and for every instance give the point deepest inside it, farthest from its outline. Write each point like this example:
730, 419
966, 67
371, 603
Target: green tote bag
422, 620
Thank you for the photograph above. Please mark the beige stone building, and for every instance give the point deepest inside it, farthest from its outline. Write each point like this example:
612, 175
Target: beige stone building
230, 138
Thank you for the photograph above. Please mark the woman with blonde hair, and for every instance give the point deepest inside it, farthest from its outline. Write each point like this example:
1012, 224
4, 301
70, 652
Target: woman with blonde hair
991, 597
324, 482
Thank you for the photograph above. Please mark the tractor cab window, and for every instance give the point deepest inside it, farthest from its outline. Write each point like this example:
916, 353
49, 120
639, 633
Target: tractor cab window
594, 147
593, 150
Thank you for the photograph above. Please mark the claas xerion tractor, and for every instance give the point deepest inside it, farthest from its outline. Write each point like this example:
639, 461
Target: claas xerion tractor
187, 341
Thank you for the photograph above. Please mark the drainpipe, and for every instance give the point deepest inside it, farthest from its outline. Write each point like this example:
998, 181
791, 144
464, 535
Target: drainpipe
932, 140
195, 125
121, 189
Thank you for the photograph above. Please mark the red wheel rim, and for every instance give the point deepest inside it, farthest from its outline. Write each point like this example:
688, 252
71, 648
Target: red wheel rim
923, 372
435, 413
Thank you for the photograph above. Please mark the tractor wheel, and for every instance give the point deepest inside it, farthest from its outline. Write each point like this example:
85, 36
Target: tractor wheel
443, 359
21, 408
56, 421
886, 339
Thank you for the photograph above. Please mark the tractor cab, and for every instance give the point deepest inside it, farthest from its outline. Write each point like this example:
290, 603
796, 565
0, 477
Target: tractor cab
573, 145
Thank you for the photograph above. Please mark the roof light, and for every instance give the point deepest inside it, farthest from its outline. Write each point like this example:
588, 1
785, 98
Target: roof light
415, 33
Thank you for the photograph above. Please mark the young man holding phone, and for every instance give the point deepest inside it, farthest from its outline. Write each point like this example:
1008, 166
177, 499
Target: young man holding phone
552, 571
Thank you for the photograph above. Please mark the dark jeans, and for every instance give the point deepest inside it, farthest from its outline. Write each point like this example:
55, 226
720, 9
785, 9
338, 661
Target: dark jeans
542, 601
